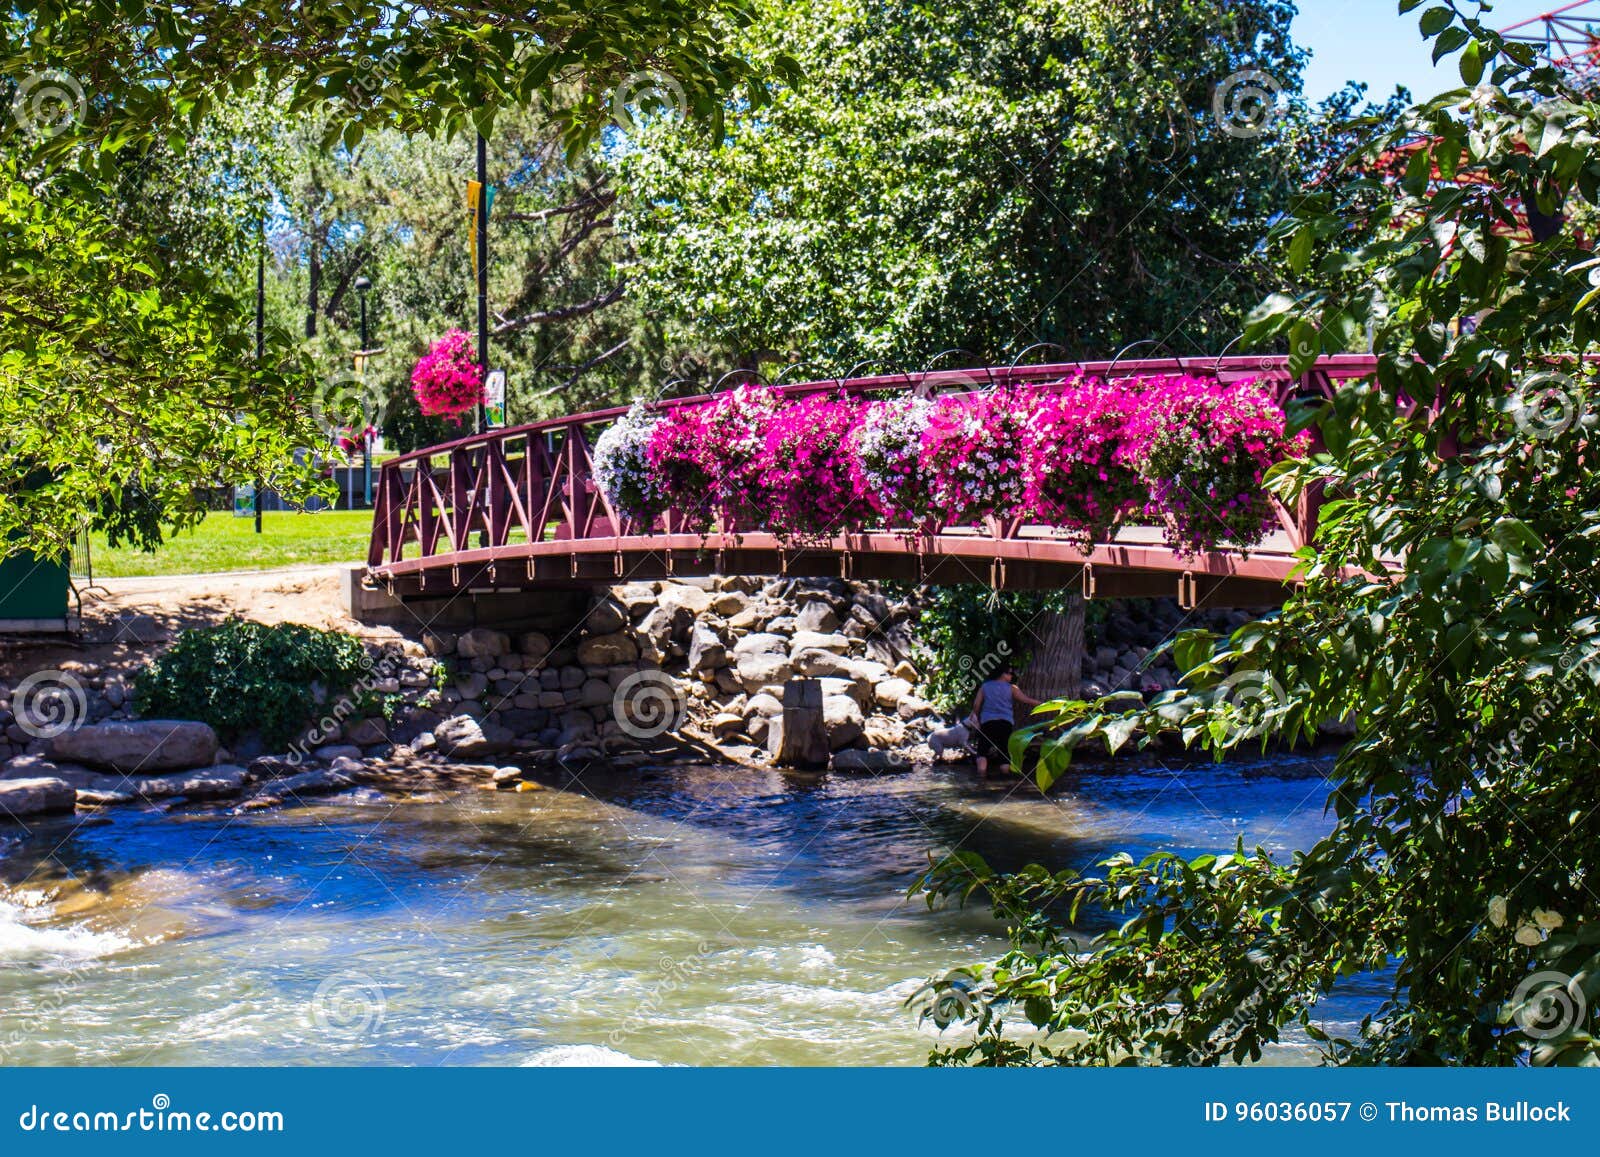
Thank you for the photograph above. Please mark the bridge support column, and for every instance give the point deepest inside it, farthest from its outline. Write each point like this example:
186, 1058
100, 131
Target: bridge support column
799, 737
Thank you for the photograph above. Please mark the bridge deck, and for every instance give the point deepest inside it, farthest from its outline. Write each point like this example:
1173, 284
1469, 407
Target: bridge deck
1136, 565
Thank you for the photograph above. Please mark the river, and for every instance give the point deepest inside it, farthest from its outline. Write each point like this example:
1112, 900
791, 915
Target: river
687, 915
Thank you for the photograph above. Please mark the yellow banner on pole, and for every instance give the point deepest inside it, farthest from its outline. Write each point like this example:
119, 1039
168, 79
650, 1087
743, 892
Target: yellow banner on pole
474, 199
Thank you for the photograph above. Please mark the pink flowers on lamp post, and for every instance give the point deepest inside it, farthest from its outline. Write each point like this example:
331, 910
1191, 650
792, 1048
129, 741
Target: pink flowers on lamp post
446, 381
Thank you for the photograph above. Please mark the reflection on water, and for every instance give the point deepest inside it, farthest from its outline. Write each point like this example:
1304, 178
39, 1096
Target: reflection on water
686, 916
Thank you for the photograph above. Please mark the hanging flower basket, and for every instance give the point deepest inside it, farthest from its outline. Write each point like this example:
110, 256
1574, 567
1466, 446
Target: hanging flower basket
1203, 448
886, 461
1082, 479
622, 466
806, 469
707, 458
446, 381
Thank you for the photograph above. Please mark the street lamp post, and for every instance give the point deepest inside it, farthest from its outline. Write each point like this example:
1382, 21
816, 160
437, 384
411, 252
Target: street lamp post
362, 285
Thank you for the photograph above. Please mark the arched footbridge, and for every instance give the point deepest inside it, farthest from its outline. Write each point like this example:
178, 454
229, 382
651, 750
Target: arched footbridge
518, 509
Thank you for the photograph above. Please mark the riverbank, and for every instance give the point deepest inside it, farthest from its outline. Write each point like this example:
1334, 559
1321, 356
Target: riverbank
576, 677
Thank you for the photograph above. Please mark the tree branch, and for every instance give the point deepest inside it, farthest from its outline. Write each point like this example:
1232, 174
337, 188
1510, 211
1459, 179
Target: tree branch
563, 312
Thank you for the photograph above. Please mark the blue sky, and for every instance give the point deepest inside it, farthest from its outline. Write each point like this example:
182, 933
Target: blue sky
1368, 40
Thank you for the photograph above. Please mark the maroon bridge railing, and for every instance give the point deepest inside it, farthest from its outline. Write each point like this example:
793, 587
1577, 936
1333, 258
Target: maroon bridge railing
518, 508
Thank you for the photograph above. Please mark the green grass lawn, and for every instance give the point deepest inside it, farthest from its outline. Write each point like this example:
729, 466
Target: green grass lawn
223, 542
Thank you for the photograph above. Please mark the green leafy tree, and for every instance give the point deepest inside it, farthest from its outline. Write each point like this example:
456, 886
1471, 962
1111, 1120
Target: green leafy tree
1449, 615
129, 180
975, 175
393, 209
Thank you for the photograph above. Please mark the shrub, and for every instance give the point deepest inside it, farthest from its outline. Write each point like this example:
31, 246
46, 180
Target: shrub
241, 677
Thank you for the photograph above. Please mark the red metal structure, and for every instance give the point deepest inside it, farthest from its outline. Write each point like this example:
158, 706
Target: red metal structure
518, 509
1567, 37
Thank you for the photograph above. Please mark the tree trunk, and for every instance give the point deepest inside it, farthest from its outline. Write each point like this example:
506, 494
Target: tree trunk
314, 291
1056, 670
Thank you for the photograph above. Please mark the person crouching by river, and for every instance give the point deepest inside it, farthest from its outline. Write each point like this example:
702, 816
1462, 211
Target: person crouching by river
995, 709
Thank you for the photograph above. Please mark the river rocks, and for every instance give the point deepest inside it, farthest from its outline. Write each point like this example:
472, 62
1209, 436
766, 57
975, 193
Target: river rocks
317, 781
606, 650
145, 745
366, 732
842, 716
465, 737
760, 671
534, 645
220, 782
483, 643
439, 643
606, 617
892, 692
335, 751
20, 798
706, 652
817, 641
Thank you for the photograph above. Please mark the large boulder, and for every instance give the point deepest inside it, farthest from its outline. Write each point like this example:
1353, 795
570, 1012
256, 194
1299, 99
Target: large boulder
595, 693
686, 602
818, 641
636, 598
141, 745
38, 767
728, 603
843, 719
34, 797
761, 643
706, 652
893, 692
534, 644
820, 663
607, 650
817, 617
463, 737
655, 635
760, 671
763, 704
483, 643
853, 759
606, 617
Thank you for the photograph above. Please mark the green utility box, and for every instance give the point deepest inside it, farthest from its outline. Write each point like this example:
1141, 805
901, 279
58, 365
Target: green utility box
33, 594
